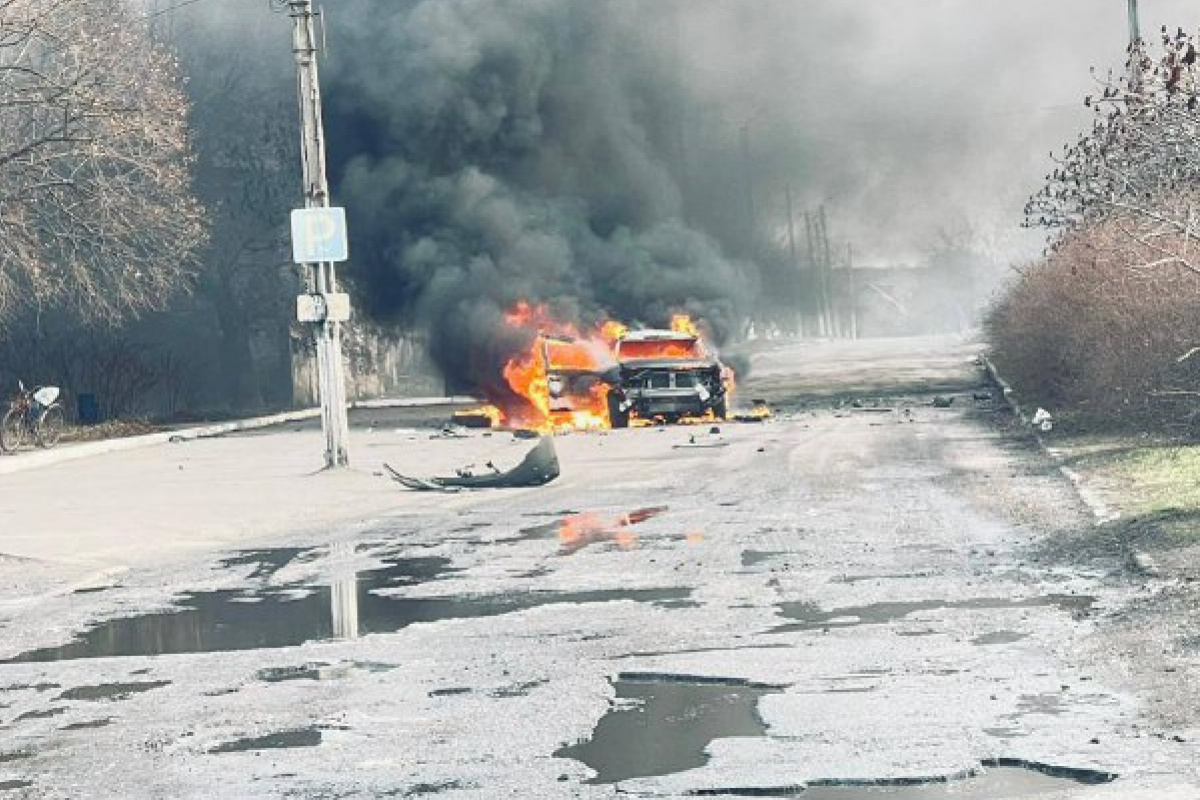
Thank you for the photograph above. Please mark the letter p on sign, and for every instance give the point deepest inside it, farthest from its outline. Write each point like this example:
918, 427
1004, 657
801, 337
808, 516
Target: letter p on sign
319, 235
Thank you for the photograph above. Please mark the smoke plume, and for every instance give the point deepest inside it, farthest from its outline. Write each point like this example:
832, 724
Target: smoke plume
492, 151
637, 157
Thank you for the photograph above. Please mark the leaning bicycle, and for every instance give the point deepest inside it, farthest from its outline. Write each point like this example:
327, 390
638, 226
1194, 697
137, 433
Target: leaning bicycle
33, 414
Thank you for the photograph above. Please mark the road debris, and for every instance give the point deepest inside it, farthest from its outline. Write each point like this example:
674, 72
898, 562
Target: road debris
539, 467
450, 431
1042, 420
475, 418
713, 438
760, 412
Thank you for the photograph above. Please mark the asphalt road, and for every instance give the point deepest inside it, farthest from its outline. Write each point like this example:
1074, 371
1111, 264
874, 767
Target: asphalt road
864, 597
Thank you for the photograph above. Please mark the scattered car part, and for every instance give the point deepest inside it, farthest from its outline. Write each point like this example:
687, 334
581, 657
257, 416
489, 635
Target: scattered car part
539, 467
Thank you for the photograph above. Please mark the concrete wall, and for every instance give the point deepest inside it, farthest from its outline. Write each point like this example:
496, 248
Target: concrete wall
379, 363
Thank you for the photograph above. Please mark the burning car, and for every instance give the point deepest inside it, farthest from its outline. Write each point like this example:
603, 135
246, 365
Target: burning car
577, 374
666, 374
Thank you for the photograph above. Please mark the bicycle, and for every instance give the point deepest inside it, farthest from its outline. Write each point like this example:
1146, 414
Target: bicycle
33, 413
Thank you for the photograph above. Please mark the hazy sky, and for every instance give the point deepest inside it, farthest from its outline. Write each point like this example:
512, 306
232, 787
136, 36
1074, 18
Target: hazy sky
900, 115
910, 114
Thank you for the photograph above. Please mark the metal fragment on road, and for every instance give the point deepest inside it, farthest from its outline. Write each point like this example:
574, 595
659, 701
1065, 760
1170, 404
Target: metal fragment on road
539, 467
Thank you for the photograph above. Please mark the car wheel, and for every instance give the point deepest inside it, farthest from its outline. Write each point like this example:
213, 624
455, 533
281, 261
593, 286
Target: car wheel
616, 417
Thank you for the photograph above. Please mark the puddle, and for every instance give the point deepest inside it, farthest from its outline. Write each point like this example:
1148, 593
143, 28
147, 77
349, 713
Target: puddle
810, 617
578, 531
83, 726
1048, 704
1005, 733
308, 672
661, 724
999, 778
887, 576
111, 691
249, 619
752, 558
50, 712
999, 637
518, 689
266, 562
424, 789
283, 740
694, 650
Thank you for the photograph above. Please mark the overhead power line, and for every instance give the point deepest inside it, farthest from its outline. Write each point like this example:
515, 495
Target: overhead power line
160, 12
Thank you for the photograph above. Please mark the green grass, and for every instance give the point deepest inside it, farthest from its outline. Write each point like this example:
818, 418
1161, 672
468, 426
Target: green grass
1159, 480
1156, 486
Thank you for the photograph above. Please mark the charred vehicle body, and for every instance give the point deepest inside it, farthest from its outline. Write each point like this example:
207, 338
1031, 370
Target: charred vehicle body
577, 373
665, 375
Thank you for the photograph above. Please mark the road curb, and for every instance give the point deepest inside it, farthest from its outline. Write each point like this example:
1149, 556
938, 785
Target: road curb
19, 462
1101, 511
1006, 391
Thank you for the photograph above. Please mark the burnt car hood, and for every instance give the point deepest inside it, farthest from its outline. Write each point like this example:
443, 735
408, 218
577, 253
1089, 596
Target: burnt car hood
668, 363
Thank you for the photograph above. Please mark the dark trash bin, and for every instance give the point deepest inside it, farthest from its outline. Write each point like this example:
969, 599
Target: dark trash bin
87, 409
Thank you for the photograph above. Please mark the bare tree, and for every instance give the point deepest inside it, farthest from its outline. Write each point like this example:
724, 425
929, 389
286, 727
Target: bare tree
241, 87
1140, 162
96, 214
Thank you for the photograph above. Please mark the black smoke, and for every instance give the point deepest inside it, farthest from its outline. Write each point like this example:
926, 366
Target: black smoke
490, 151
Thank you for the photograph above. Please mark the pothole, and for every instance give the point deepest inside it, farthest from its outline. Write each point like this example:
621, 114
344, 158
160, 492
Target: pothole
753, 558
268, 561
660, 724
44, 714
111, 691
810, 617
999, 637
997, 778
282, 740
275, 617
88, 725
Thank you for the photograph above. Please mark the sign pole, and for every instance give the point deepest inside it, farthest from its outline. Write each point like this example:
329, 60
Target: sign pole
320, 278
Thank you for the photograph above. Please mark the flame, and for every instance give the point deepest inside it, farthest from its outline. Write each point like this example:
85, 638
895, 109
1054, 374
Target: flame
682, 323
562, 350
651, 349
556, 379
489, 412
613, 331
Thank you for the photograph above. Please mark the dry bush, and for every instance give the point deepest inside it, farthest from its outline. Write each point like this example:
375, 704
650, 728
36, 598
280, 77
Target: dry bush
1100, 326
96, 212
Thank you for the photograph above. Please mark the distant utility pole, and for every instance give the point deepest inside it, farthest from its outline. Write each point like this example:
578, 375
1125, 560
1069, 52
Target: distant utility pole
1135, 40
748, 185
318, 240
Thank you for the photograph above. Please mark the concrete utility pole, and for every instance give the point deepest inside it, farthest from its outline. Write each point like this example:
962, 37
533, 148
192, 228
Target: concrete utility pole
321, 277
1135, 40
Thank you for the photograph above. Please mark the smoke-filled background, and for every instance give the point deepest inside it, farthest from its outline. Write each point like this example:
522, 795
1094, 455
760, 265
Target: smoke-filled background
634, 158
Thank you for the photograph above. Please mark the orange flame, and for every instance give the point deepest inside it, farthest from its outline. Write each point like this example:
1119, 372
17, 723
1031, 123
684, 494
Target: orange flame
682, 323
556, 378
612, 331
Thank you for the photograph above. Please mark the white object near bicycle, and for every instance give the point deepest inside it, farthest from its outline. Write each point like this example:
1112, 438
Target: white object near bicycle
1043, 421
46, 395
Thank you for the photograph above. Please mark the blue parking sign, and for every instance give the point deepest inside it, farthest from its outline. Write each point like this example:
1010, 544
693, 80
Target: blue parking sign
319, 235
